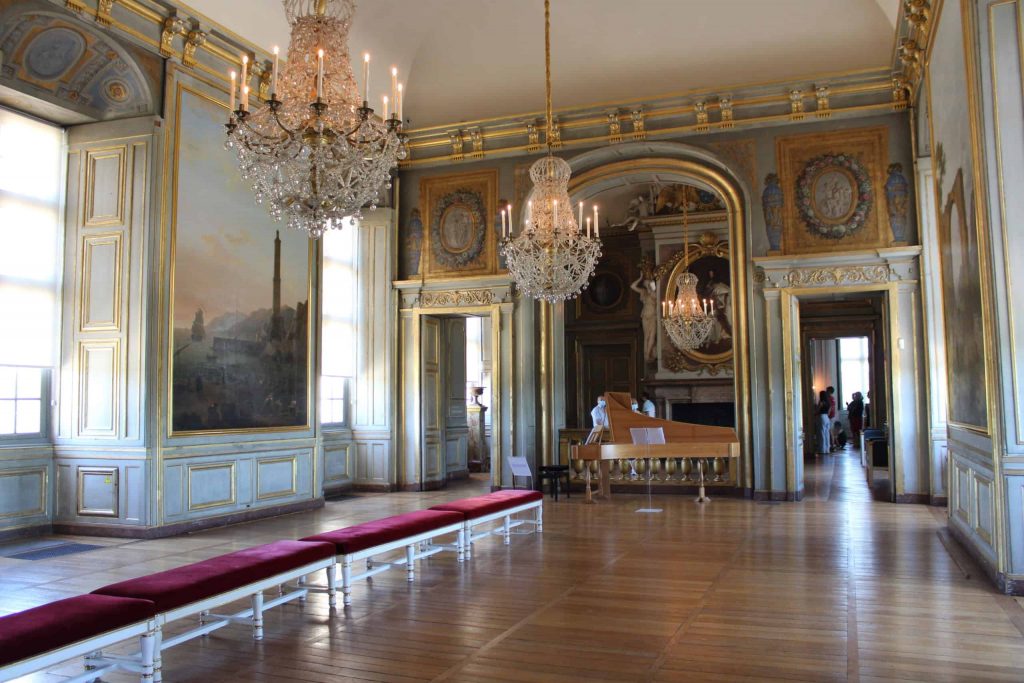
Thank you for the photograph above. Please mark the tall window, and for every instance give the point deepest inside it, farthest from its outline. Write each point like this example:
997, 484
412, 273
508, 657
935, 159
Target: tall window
338, 341
854, 368
30, 269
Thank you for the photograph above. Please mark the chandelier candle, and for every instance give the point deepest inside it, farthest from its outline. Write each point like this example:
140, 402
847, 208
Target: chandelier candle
398, 104
314, 153
273, 81
234, 84
366, 77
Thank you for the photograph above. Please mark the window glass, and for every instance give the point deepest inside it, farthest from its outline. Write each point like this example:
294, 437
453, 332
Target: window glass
339, 298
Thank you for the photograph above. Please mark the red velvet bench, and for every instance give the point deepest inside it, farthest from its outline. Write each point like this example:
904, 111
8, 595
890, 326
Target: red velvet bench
492, 506
412, 531
41, 637
197, 588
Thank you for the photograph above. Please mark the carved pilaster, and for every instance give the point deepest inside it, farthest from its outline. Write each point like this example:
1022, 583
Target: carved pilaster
639, 125
796, 105
173, 25
725, 106
476, 138
103, 10
193, 42
700, 109
533, 137
458, 144
614, 126
821, 94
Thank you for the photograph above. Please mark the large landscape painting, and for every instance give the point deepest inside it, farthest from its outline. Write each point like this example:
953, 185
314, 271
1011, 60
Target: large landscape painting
958, 223
241, 292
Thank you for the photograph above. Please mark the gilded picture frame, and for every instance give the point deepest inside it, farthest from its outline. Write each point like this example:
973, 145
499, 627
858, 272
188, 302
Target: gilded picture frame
459, 225
242, 365
858, 158
710, 260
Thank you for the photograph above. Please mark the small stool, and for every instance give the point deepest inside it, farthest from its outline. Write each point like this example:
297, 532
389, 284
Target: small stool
554, 473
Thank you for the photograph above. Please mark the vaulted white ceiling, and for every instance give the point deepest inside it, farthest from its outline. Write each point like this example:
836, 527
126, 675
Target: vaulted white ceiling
472, 59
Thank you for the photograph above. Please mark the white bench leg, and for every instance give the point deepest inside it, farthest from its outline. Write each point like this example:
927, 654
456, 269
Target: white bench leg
460, 545
469, 542
540, 519
507, 529
257, 616
332, 586
147, 644
410, 562
346, 581
158, 657
302, 582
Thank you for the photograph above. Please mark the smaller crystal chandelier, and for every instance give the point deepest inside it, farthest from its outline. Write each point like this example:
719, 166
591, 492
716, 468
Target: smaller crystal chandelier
688, 319
551, 258
315, 152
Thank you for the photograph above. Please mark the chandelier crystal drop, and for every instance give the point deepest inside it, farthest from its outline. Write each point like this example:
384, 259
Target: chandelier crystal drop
687, 318
315, 152
551, 258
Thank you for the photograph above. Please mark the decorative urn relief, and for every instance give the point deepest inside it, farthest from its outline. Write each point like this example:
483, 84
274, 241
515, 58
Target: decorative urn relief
897, 199
771, 203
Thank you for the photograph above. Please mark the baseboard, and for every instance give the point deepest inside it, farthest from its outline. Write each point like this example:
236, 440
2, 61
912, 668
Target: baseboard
426, 486
26, 532
458, 475
1007, 585
939, 501
116, 531
913, 498
373, 488
772, 496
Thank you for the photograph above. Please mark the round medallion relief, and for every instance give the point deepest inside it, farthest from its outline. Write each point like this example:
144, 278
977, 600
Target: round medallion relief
458, 228
53, 52
117, 91
835, 194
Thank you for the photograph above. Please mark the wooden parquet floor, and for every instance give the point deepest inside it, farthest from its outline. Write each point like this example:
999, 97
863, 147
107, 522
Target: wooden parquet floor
835, 588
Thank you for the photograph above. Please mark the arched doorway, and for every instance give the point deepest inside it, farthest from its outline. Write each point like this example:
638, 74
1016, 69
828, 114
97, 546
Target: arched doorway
595, 172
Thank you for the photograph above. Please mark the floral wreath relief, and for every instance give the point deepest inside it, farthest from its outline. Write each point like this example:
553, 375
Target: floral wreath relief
853, 220
472, 202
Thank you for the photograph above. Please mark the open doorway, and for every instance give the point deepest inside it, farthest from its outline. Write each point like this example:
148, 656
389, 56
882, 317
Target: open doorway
844, 372
455, 397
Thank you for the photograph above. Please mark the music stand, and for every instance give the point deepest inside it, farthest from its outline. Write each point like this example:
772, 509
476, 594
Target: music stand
647, 436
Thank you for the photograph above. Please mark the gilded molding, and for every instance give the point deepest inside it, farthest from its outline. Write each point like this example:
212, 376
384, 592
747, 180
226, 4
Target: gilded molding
842, 275
796, 105
76, 6
458, 144
614, 127
725, 108
476, 139
533, 135
464, 297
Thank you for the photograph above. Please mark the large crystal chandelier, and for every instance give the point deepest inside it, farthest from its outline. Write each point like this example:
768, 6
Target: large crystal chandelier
315, 152
551, 258
688, 319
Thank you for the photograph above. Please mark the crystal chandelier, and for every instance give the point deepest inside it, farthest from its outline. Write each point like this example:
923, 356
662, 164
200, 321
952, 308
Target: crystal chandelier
688, 319
315, 152
551, 258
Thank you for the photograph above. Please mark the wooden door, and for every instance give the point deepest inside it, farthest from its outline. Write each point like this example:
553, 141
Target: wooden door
432, 445
606, 367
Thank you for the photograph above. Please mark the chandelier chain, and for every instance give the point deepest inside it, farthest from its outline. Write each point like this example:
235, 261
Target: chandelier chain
547, 72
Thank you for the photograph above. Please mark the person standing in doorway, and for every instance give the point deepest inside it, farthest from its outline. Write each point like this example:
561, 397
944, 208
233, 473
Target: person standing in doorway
824, 433
599, 418
834, 445
647, 407
855, 408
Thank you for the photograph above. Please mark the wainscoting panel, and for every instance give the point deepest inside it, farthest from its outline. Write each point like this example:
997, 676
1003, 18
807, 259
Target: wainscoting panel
93, 488
338, 463
98, 492
215, 485
972, 504
101, 283
98, 398
105, 183
23, 493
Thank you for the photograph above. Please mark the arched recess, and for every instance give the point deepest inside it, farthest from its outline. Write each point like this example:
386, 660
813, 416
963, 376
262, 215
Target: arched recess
608, 167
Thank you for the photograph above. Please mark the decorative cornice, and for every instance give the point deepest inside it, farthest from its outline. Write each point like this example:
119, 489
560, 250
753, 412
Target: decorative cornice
450, 299
877, 266
913, 40
849, 94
